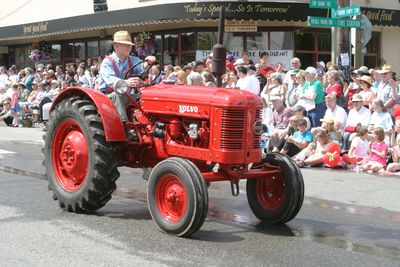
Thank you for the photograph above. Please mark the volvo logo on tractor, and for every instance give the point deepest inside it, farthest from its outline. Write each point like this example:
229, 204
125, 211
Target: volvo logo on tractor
258, 127
186, 108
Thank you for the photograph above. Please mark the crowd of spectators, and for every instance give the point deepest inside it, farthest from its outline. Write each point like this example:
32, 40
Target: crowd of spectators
305, 109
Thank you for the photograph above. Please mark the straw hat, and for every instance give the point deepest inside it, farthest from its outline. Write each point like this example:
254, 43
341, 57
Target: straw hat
328, 120
123, 37
357, 98
366, 79
385, 69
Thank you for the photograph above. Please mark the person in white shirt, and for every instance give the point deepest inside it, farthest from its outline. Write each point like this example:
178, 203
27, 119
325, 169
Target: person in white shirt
358, 115
255, 83
335, 111
245, 82
3, 78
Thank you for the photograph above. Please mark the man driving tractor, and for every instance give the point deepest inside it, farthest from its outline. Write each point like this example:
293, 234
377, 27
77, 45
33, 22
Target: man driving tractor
114, 68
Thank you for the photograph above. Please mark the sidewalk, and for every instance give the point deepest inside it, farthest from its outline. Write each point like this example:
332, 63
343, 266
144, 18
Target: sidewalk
31, 135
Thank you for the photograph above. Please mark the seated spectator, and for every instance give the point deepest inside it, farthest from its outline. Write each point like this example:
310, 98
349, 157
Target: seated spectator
6, 114
352, 89
328, 126
378, 151
367, 94
246, 83
291, 96
15, 107
358, 152
313, 154
381, 119
334, 84
335, 111
301, 113
298, 141
208, 79
395, 152
181, 77
291, 129
359, 115
280, 119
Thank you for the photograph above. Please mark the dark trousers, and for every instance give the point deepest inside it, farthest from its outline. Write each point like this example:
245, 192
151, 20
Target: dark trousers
291, 149
8, 120
44, 101
316, 114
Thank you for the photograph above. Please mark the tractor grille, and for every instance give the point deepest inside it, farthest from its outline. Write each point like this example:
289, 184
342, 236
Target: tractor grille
257, 138
232, 128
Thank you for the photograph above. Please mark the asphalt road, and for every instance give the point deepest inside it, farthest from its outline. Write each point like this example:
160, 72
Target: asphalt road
347, 219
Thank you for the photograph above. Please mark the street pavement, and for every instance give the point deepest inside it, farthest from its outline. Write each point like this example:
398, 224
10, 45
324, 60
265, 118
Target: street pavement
347, 219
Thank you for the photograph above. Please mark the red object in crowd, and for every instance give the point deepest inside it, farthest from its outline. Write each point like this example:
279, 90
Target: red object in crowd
335, 88
229, 65
266, 71
332, 155
396, 111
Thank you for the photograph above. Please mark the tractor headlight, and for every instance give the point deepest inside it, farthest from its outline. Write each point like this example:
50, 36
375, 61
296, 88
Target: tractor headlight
121, 87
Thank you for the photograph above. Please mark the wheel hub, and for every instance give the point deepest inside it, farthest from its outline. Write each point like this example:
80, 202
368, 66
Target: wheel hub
271, 191
70, 155
171, 198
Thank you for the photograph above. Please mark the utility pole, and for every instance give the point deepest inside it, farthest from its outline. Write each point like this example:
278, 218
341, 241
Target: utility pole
342, 39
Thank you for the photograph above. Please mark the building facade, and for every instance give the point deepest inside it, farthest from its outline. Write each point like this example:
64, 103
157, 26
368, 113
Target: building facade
186, 30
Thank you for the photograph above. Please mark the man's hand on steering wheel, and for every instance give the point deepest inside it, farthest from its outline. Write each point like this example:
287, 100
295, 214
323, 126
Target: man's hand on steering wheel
134, 82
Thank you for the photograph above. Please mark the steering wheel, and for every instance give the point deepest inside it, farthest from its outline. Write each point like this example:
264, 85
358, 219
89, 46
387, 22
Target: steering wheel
143, 75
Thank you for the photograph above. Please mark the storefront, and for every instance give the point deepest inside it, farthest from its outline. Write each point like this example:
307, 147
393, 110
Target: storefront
187, 31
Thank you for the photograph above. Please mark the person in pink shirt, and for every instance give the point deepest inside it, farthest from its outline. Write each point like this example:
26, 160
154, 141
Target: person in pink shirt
378, 151
367, 94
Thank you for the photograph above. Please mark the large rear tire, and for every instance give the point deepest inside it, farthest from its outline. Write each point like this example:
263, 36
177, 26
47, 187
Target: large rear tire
80, 165
277, 198
177, 197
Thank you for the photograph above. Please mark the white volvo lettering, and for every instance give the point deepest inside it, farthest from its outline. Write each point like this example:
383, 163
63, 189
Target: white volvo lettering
186, 108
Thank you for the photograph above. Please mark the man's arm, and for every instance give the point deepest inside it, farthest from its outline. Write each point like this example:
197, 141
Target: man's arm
107, 75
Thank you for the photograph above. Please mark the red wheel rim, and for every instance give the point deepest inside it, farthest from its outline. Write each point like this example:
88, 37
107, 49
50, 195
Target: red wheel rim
271, 191
70, 155
171, 198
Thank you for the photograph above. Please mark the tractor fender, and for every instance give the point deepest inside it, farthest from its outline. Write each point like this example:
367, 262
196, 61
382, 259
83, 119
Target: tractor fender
112, 124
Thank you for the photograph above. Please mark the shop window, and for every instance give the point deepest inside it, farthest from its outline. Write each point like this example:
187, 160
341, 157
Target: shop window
257, 41
188, 41
158, 46
79, 50
69, 50
373, 46
56, 53
187, 58
93, 49
324, 42
281, 40
304, 41
206, 40
105, 47
233, 41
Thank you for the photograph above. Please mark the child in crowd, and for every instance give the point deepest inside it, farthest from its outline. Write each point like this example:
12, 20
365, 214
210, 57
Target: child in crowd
328, 125
378, 151
314, 152
395, 152
298, 141
358, 152
290, 130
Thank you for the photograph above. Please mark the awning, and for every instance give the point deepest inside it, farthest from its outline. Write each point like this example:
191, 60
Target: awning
181, 12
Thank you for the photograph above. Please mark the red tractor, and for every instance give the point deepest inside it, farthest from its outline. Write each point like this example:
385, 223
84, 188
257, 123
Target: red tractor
181, 132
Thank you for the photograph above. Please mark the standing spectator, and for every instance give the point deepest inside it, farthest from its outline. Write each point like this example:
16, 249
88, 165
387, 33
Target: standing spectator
30, 77
336, 112
352, 89
312, 95
359, 115
292, 91
244, 82
208, 79
274, 87
233, 78
295, 64
387, 89
194, 78
367, 94
378, 151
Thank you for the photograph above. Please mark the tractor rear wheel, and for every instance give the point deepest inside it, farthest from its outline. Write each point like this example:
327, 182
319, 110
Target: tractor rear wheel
80, 164
277, 198
177, 196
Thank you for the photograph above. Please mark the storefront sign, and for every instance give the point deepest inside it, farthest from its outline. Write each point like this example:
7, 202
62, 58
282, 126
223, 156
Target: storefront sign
40, 27
275, 56
240, 26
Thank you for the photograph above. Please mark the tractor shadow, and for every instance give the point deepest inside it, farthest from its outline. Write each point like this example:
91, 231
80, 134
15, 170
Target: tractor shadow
120, 208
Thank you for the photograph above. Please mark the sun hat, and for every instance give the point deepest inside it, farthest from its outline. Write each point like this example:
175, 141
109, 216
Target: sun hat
239, 61
385, 69
311, 70
122, 37
357, 98
366, 79
328, 120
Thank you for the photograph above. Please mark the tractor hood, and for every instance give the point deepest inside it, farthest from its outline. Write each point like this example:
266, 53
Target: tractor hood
195, 101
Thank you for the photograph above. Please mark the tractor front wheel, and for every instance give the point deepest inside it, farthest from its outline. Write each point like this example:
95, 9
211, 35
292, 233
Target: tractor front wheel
80, 164
276, 198
177, 196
